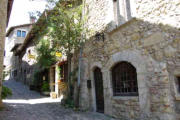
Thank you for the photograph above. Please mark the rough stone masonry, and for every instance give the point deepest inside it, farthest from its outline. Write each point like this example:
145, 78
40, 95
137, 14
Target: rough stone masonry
150, 41
3, 14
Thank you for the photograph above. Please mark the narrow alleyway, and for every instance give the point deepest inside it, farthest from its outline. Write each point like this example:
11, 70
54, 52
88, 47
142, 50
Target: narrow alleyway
29, 105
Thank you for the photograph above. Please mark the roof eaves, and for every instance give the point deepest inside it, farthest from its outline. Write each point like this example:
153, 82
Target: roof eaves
12, 28
30, 35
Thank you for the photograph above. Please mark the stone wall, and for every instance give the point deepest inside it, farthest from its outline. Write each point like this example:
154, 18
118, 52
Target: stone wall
11, 60
158, 11
27, 64
155, 57
100, 13
152, 55
3, 14
150, 42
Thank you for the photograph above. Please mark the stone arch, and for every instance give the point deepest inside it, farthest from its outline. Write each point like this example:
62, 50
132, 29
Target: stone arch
92, 68
132, 57
96, 64
139, 62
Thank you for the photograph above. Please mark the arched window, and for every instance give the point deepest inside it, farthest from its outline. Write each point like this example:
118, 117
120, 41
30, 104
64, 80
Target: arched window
124, 79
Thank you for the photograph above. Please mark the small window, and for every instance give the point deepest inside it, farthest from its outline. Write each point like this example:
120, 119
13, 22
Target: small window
23, 33
19, 33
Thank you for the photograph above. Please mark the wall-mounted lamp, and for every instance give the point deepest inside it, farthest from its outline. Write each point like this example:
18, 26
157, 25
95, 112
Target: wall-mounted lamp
99, 36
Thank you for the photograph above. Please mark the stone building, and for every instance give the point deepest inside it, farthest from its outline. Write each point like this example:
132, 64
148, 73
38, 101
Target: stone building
5, 11
130, 66
15, 37
28, 68
58, 80
26, 55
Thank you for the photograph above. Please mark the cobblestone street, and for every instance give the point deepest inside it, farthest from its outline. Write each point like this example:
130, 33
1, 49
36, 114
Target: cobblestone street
29, 105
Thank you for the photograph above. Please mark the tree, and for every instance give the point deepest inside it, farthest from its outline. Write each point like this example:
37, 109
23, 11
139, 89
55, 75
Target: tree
46, 54
66, 30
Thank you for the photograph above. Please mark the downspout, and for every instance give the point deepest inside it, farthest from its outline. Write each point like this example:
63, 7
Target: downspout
79, 66
81, 50
80, 58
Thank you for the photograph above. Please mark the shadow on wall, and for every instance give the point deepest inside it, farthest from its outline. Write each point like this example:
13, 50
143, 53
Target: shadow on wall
157, 46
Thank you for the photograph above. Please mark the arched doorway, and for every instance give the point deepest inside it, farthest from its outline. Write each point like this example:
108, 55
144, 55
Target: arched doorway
99, 90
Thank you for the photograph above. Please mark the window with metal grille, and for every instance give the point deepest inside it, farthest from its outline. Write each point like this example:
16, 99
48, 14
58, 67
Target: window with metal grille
124, 79
178, 78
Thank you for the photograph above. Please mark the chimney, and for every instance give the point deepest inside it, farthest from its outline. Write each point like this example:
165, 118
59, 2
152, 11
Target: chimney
32, 19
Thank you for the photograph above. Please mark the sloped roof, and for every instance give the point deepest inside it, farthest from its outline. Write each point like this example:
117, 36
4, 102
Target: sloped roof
32, 33
18, 26
15, 47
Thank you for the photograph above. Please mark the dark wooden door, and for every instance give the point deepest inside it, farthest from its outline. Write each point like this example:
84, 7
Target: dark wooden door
54, 77
99, 90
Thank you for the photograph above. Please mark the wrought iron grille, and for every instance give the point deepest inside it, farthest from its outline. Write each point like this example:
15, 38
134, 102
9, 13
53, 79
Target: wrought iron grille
124, 79
179, 84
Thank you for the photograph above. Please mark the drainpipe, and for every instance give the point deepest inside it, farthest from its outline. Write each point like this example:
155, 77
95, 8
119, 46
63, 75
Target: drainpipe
80, 59
79, 67
77, 99
81, 48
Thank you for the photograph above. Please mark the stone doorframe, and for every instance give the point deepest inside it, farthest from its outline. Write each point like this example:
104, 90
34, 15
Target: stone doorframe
134, 57
93, 66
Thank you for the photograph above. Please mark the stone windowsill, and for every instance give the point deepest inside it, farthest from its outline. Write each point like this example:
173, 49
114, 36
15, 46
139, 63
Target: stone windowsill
125, 97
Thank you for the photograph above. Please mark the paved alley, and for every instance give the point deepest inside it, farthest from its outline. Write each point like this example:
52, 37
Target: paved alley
29, 105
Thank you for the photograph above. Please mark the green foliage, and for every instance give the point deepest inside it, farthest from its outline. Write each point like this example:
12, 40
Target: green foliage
5, 74
6, 92
58, 69
45, 87
68, 103
59, 29
36, 78
66, 26
62, 28
46, 54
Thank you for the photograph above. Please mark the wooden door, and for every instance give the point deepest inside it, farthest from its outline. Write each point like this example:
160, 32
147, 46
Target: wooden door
99, 90
54, 77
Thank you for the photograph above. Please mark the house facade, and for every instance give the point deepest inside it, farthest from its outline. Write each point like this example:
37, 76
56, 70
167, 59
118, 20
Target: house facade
27, 62
26, 54
30, 72
15, 37
130, 65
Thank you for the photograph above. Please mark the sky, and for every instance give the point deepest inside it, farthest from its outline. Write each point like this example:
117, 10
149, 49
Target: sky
21, 8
